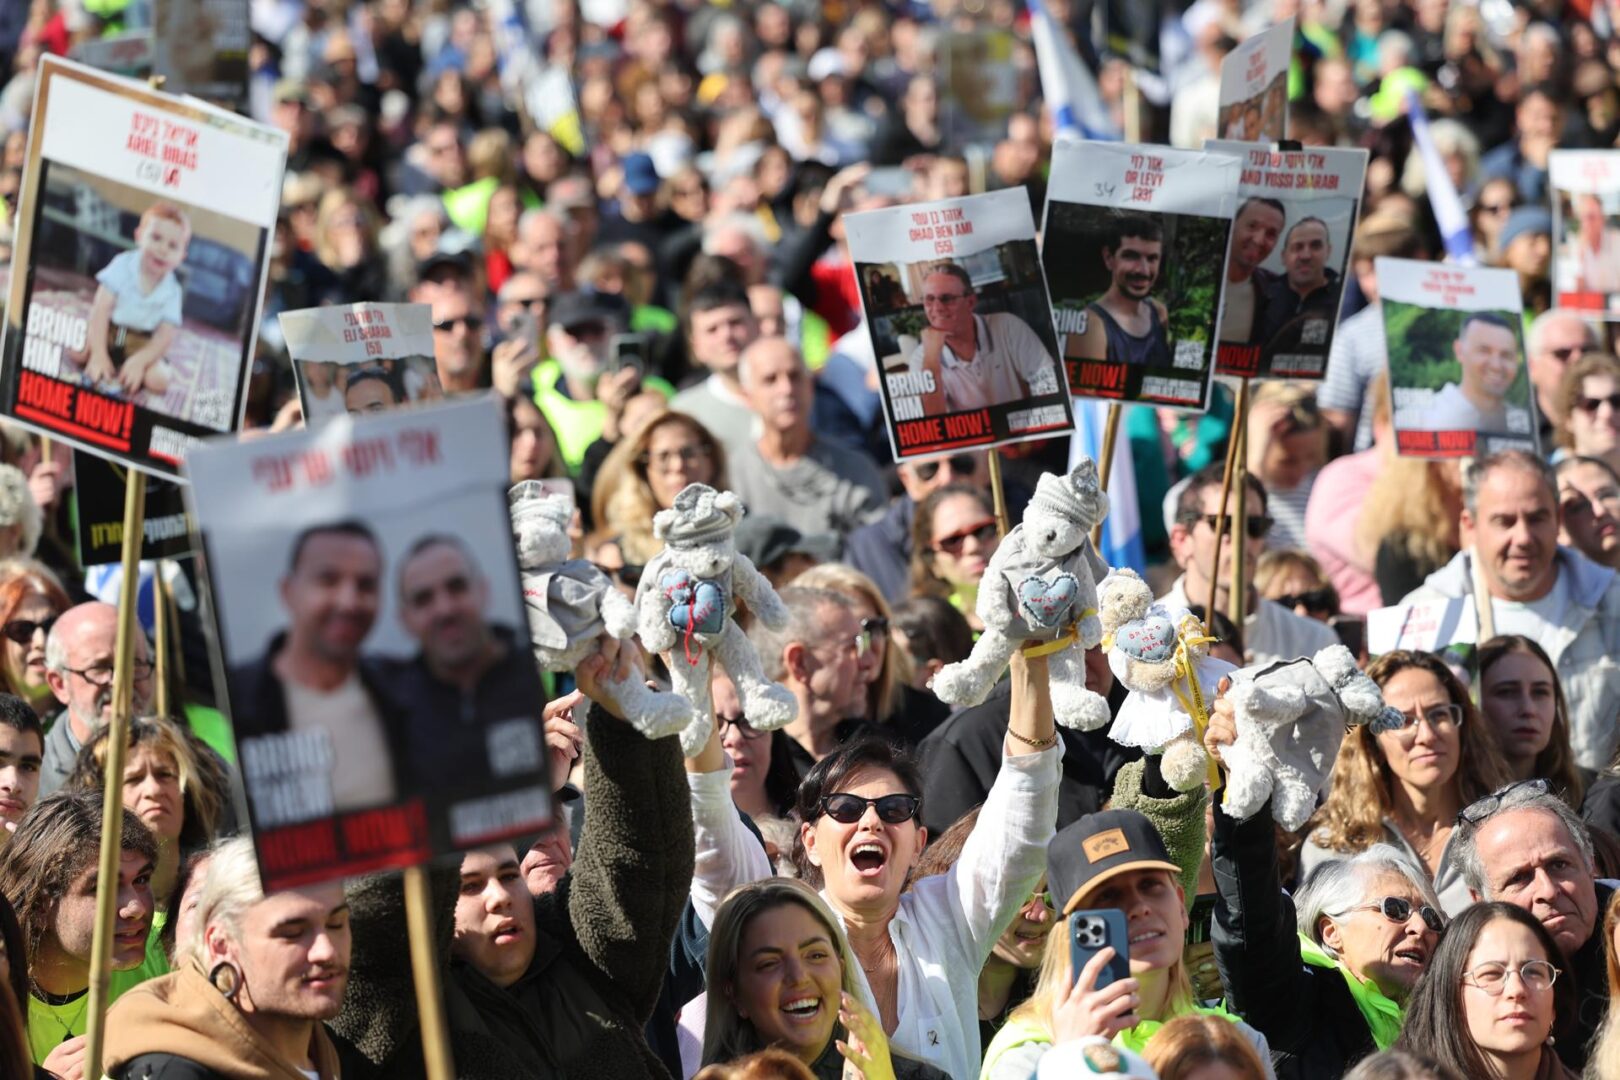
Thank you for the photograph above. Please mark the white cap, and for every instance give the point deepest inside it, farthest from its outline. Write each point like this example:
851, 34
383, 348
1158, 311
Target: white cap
1093, 1056
826, 62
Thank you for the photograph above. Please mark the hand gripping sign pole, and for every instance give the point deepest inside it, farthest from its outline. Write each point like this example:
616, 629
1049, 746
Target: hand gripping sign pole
112, 806
425, 974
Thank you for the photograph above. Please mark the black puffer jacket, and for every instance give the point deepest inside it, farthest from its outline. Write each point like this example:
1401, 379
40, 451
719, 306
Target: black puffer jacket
1306, 1013
604, 939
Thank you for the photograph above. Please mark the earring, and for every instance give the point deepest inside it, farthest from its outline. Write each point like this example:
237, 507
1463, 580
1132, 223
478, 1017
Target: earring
1551, 1038
232, 977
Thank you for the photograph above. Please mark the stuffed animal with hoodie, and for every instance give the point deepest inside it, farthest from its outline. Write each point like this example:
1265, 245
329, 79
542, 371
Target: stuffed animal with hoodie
1290, 718
1039, 593
685, 603
571, 604
1161, 655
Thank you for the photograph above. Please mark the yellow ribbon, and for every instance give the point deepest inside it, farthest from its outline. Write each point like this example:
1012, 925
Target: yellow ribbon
1195, 707
1059, 643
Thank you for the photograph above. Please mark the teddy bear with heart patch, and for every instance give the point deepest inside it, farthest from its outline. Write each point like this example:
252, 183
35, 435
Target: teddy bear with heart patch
571, 604
685, 605
1161, 655
1039, 592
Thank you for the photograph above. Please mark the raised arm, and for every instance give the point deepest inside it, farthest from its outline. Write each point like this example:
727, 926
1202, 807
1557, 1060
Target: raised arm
629, 883
728, 855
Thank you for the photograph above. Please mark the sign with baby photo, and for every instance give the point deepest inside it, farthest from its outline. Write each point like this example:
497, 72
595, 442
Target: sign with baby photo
375, 646
143, 239
1457, 376
961, 325
361, 358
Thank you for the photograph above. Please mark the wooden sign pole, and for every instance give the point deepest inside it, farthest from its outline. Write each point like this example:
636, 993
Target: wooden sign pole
425, 972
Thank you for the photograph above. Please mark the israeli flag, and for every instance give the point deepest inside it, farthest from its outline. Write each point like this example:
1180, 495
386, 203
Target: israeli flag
1448, 208
1070, 90
1122, 529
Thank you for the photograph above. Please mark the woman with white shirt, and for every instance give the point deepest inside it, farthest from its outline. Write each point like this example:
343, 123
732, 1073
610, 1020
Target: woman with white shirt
919, 950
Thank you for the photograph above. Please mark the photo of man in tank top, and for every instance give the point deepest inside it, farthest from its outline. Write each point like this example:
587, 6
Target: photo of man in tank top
1126, 324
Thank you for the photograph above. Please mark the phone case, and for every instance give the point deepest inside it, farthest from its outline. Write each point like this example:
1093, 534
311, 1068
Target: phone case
1092, 931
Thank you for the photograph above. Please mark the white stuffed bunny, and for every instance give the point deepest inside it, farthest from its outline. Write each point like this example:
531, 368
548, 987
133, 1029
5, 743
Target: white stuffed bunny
1040, 587
571, 604
685, 603
1290, 720
1157, 653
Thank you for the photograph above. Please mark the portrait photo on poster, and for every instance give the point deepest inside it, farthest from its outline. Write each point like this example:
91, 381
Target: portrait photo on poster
1285, 269
1134, 242
383, 695
1586, 231
360, 358
1254, 86
140, 262
1457, 377
960, 322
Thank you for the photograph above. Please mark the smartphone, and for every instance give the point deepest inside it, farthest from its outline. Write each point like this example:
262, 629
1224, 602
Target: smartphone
1352, 631
891, 180
523, 327
1200, 919
1090, 932
626, 350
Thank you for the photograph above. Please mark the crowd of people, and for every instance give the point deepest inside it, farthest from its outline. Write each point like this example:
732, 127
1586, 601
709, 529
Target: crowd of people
626, 217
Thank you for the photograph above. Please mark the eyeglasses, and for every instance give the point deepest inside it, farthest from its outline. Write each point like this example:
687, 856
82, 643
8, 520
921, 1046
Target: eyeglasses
1495, 208
961, 465
744, 728
1592, 404
102, 674
1312, 600
629, 574
1577, 504
471, 323
1436, 716
847, 809
877, 626
1492, 977
942, 298
983, 532
1256, 525
527, 303
1480, 809
1566, 354
1398, 909
668, 459
22, 631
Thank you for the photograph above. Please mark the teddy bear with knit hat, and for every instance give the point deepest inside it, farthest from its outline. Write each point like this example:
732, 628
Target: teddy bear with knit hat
571, 604
1039, 593
686, 603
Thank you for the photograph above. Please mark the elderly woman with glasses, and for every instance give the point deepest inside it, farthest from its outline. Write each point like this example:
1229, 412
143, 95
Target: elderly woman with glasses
918, 950
1324, 975
1491, 997
1405, 787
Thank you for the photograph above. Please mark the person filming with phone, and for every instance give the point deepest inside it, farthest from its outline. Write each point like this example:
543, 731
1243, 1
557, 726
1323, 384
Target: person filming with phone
1113, 965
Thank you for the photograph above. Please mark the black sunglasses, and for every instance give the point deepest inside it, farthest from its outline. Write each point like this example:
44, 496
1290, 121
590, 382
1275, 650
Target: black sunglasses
1591, 404
1480, 809
1312, 600
1398, 909
22, 631
473, 323
847, 809
961, 465
1256, 525
628, 575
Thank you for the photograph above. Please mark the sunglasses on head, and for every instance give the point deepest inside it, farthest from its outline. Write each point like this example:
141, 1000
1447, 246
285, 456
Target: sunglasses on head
1256, 525
961, 465
1480, 809
982, 532
1312, 600
847, 809
21, 631
1592, 404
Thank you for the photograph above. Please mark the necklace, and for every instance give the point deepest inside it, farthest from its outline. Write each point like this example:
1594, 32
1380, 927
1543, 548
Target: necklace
56, 1001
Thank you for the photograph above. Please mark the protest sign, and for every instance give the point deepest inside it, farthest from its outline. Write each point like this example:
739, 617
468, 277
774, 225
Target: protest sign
99, 524
960, 322
1456, 358
361, 358
1134, 241
382, 691
1254, 86
1586, 230
1285, 269
200, 47
142, 252
128, 54
980, 87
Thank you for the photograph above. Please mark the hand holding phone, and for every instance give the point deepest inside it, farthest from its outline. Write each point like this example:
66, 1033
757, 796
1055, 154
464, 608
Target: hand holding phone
1103, 997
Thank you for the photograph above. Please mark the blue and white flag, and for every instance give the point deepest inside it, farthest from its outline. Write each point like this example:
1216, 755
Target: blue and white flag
1122, 529
1070, 89
1448, 208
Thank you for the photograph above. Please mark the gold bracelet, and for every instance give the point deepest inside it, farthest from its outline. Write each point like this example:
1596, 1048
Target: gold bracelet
1039, 744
